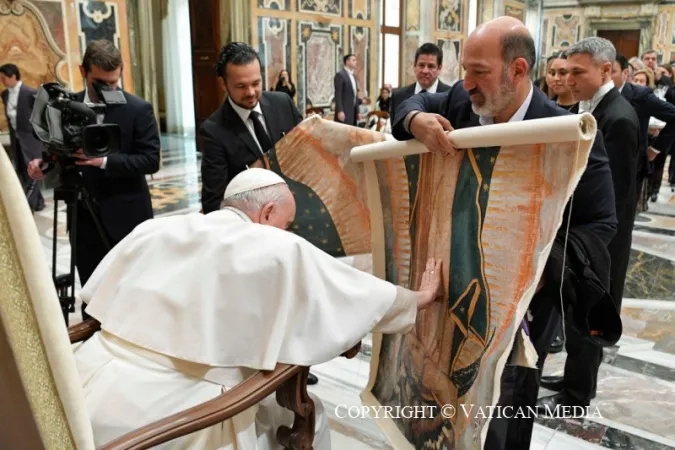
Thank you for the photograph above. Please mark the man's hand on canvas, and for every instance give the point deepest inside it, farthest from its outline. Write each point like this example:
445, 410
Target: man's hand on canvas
430, 129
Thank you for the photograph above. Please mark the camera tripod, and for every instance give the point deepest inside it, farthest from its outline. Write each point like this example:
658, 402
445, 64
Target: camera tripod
71, 191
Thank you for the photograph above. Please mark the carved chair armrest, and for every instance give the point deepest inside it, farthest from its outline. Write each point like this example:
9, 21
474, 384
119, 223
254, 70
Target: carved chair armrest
290, 382
83, 330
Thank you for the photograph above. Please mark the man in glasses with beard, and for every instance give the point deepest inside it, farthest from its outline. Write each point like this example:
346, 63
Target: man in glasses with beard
498, 59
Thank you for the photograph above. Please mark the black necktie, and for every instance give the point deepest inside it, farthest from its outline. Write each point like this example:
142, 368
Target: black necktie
423, 91
260, 133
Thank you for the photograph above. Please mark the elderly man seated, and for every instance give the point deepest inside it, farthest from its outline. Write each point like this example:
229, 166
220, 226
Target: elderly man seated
191, 305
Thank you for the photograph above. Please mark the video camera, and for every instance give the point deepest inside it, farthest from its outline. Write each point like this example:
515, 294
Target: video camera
66, 125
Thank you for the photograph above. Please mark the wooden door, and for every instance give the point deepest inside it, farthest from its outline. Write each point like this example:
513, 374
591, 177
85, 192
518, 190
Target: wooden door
626, 42
206, 44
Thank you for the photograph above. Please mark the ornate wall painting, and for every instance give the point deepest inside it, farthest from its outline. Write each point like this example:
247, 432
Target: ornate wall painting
412, 15
329, 189
98, 20
274, 49
359, 44
26, 40
320, 52
449, 14
661, 39
515, 9
491, 213
566, 31
324, 7
451, 58
279, 5
359, 9
544, 41
411, 43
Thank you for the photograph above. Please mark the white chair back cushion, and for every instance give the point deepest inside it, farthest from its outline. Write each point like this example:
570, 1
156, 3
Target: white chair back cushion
34, 324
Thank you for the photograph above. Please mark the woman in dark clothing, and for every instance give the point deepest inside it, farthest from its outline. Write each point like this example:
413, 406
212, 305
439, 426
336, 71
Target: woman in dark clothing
284, 84
384, 100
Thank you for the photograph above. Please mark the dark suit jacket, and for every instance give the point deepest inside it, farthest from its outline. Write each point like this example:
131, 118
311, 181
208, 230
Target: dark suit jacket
620, 128
404, 93
345, 97
647, 105
120, 190
31, 147
229, 147
593, 202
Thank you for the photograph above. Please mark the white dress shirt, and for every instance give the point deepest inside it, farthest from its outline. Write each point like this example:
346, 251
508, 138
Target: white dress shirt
518, 116
99, 120
245, 115
13, 103
590, 105
432, 89
352, 78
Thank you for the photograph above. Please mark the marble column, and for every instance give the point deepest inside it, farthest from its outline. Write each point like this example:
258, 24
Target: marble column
147, 47
239, 20
533, 20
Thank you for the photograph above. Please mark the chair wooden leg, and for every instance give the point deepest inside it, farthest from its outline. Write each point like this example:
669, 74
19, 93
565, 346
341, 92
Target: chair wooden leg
294, 396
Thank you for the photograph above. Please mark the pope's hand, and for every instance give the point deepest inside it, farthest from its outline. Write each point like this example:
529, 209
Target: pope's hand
430, 129
431, 283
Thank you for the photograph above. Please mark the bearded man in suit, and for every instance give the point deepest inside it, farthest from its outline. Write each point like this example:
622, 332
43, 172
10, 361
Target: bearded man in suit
497, 88
248, 123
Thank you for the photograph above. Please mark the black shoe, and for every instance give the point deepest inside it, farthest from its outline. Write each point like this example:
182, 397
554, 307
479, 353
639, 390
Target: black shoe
557, 345
546, 406
552, 383
312, 379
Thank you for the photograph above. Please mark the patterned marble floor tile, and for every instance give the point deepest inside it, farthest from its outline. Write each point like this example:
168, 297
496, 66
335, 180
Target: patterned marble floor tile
655, 221
642, 401
541, 437
650, 276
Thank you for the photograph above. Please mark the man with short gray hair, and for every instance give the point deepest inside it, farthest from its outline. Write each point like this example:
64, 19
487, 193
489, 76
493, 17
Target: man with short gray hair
589, 65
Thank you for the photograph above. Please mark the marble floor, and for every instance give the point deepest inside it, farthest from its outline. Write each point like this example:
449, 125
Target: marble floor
636, 386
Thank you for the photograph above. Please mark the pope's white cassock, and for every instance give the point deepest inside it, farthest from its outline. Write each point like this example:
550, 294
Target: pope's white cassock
192, 305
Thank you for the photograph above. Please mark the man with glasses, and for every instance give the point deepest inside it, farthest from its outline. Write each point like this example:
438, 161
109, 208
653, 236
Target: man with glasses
428, 65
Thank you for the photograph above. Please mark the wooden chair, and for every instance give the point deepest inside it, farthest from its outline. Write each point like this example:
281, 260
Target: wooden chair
381, 116
315, 110
42, 404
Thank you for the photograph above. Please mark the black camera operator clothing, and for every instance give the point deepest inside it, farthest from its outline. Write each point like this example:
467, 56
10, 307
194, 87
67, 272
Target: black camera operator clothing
119, 192
229, 147
24, 145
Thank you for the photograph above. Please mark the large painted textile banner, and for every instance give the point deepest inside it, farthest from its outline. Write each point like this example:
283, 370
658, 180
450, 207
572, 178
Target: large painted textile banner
490, 212
329, 188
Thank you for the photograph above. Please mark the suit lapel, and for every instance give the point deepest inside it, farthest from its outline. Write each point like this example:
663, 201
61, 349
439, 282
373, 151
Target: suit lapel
231, 117
627, 91
536, 108
599, 110
270, 119
349, 81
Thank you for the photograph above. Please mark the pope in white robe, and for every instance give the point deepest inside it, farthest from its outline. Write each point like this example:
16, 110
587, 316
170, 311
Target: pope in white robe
192, 305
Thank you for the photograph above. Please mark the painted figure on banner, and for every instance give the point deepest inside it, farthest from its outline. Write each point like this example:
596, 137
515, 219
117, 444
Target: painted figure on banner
493, 214
329, 189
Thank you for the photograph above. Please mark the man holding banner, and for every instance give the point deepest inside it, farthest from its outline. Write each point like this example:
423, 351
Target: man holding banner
498, 58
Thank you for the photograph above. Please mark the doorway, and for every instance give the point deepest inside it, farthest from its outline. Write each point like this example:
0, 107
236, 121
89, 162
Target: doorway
626, 42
